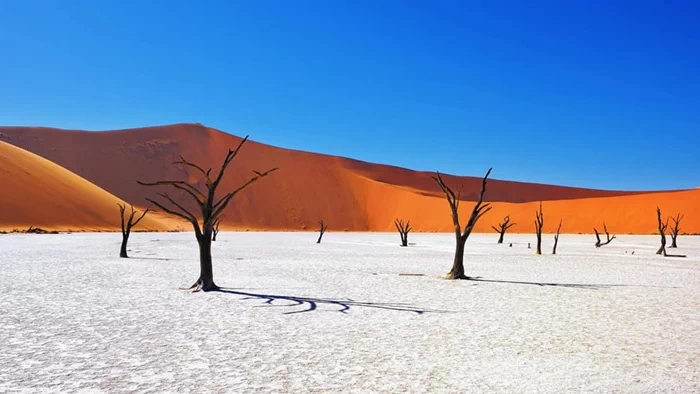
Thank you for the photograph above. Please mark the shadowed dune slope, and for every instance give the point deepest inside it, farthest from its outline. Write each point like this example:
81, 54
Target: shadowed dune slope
37, 192
347, 194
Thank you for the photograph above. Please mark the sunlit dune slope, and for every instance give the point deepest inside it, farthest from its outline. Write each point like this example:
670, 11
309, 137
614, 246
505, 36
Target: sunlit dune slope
36, 192
347, 194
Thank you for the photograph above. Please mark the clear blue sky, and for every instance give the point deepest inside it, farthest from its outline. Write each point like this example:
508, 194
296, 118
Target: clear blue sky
585, 93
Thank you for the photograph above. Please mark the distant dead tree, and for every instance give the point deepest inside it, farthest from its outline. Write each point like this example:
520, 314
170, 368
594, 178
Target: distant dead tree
539, 223
662, 232
609, 239
675, 230
457, 271
556, 239
403, 229
215, 229
321, 230
502, 228
127, 225
210, 208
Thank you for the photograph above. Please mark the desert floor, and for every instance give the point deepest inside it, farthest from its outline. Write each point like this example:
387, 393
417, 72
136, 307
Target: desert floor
339, 316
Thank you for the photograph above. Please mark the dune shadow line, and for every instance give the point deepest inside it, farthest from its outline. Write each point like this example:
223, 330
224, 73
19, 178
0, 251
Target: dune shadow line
311, 303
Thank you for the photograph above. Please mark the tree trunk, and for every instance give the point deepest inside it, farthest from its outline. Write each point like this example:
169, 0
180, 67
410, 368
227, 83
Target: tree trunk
539, 244
673, 241
206, 274
404, 239
457, 271
122, 252
500, 238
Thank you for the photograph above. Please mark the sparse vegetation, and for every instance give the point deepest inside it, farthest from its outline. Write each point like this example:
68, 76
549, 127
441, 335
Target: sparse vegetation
539, 223
609, 239
321, 230
127, 225
502, 228
404, 229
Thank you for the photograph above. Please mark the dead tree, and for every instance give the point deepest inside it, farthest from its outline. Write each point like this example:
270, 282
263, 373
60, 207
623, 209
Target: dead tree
609, 239
127, 225
403, 228
461, 236
321, 230
556, 239
675, 230
210, 208
215, 229
539, 223
662, 232
502, 228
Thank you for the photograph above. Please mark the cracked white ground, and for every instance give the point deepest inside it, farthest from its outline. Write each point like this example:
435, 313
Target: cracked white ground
334, 317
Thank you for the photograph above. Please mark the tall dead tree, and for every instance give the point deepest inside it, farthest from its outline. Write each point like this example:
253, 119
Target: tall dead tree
215, 229
461, 236
662, 232
321, 230
210, 207
502, 228
609, 239
675, 230
539, 223
127, 225
403, 229
556, 239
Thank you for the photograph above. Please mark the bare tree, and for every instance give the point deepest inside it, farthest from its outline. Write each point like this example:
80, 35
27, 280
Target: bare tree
556, 239
662, 232
609, 239
502, 228
127, 225
215, 228
675, 230
457, 271
403, 229
210, 208
321, 230
539, 223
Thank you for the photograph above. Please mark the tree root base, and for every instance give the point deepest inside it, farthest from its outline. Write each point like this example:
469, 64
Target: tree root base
199, 285
452, 276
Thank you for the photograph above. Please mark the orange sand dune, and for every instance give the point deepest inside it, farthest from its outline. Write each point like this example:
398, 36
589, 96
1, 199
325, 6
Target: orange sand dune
37, 192
347, 194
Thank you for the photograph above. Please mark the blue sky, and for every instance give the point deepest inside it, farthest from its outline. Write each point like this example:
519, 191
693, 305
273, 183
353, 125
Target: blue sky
586, 93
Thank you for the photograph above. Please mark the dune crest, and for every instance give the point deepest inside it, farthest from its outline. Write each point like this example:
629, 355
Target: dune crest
349, 195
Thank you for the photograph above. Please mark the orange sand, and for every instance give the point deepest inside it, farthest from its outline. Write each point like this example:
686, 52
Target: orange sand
347, 194
36, 192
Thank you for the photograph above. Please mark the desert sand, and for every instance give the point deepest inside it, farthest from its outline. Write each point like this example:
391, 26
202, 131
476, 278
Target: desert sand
349, 195
36, 192
337, 317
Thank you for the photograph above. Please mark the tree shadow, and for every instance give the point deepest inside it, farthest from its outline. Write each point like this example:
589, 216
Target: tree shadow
311, 303
570, 285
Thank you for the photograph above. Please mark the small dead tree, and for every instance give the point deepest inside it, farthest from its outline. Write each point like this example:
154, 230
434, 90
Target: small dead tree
321, 230
127, 225
539, 223
598, 242
662, 231
403, 229
556, 239
461, 236
502, 228
675, 230
210, 208
215, 229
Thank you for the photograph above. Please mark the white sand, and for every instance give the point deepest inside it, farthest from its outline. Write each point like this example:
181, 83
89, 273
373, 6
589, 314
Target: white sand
74, 317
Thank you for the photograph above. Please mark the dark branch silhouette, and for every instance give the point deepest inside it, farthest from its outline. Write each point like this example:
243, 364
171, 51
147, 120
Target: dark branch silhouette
210, 209
502, 228
539, 223
215, 228
404, 229
662, 232
321, 231
461, 236
609, 239
556, 239
675, 230
127, 225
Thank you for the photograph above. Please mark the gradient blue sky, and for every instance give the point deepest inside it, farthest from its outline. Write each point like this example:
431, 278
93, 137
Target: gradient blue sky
587, 93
